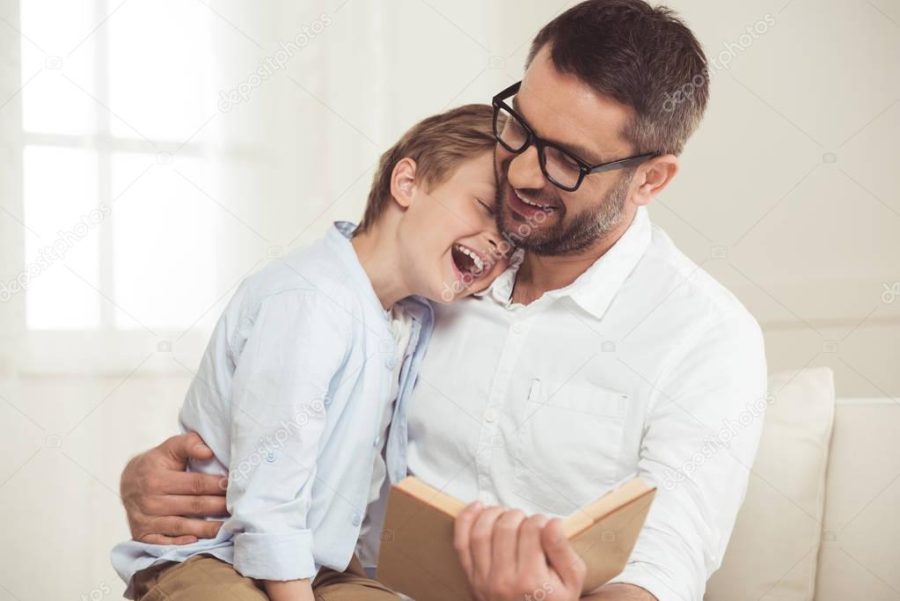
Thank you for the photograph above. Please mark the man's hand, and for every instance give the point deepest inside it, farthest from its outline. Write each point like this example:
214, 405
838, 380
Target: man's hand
508, 557
158, 494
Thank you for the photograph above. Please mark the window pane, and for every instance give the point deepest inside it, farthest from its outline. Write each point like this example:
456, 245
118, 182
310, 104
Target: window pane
159, 66
63, 219
52, 103
164, 234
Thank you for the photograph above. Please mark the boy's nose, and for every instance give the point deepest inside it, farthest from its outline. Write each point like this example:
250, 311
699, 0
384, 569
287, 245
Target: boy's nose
499, 247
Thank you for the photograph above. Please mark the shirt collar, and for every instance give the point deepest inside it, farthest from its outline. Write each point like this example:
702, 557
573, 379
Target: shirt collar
340, 236
594, 289
345, 228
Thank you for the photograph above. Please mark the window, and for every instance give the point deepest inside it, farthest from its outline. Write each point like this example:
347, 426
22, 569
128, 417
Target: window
112, 96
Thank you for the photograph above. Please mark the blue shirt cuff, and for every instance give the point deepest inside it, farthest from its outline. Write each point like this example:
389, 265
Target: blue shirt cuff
268, 556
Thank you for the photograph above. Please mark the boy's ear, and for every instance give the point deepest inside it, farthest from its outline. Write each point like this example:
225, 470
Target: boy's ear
403, 182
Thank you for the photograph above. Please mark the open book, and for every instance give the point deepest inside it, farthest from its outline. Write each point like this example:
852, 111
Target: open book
417, 556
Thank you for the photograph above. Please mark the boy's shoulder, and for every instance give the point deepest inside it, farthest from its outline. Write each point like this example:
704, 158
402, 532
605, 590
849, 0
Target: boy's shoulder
318, 269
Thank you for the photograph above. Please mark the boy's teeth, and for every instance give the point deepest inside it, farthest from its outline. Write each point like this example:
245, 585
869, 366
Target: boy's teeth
479, 264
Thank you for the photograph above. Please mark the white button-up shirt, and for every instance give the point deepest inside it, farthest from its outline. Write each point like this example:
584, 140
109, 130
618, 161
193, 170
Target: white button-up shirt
644, 364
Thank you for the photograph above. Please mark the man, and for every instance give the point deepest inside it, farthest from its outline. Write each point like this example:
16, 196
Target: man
605, 352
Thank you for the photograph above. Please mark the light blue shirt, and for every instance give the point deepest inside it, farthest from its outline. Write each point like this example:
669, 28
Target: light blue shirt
289, 396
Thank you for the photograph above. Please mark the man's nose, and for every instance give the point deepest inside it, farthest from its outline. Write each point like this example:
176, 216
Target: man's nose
525, 170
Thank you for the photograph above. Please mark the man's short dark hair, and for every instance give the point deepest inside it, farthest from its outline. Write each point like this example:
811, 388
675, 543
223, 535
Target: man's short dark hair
642, 56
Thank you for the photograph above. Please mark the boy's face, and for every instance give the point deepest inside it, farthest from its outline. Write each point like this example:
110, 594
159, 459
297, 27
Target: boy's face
448, 234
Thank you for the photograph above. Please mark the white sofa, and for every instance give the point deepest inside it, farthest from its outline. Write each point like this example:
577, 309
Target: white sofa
821, 520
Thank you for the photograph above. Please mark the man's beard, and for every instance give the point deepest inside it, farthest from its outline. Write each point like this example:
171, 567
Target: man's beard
568, 235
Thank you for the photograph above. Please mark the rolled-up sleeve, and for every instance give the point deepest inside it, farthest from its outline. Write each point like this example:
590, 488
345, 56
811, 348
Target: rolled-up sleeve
296, 344
699, 442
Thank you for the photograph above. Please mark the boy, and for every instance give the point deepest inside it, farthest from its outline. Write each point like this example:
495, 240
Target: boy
310, 365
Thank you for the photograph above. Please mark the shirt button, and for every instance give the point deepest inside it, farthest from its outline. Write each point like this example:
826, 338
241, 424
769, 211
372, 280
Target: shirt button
356, 519
490, 416
486, 498
518, 328
377, 441
390, 362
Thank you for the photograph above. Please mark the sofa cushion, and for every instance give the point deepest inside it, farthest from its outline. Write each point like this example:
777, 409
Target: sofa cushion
774, 547
859, 556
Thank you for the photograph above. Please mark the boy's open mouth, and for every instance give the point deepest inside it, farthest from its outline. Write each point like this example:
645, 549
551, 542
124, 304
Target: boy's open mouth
467, 261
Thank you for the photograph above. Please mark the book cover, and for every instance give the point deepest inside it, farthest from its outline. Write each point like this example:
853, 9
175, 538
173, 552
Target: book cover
417, 557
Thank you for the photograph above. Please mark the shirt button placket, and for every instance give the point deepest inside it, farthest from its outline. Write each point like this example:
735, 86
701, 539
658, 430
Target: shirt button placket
493, 412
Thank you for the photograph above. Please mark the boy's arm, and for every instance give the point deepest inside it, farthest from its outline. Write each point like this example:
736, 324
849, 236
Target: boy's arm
291, 590
297, 343
620, 591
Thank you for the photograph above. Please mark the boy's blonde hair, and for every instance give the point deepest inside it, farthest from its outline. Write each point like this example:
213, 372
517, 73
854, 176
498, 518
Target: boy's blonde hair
438, 145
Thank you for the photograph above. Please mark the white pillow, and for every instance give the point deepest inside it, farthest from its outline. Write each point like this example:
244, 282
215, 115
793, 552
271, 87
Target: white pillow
774, 547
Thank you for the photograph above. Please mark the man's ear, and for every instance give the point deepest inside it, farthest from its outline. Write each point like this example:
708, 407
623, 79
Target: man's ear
652, 178
403, 182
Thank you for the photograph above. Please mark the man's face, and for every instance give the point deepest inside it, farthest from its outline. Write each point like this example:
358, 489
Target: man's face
533, 212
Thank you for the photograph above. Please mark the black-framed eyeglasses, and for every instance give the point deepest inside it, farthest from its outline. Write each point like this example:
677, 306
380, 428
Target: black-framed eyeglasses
562, 168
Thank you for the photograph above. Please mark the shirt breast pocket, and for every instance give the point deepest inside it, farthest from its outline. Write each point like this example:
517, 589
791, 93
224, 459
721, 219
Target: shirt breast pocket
568, 444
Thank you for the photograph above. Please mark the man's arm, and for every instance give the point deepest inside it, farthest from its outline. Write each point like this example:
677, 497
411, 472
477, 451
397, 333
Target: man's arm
165, 504
700, 439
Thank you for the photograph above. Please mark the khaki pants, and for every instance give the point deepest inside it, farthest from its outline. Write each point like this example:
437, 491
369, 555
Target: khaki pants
205, 578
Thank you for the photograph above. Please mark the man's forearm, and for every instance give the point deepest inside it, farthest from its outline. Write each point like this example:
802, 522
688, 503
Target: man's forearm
620, 592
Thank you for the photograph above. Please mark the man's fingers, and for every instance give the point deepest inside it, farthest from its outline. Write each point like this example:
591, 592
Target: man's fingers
506, 540
562, 557
159, 539
176, 527
531, 558
462, 528
189, 506
194, 483
482, 534
197, 448
181, 447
